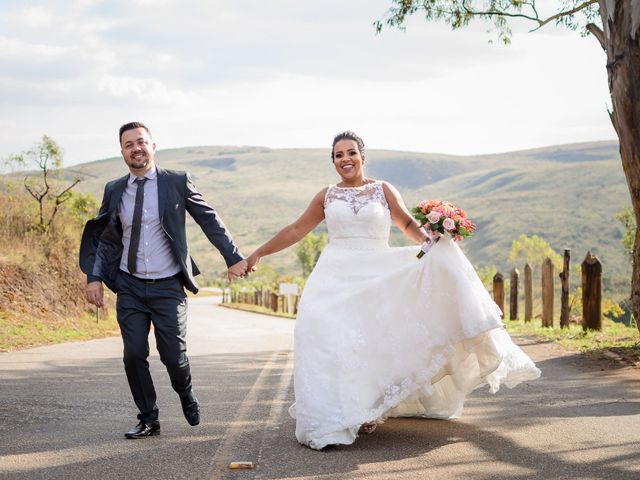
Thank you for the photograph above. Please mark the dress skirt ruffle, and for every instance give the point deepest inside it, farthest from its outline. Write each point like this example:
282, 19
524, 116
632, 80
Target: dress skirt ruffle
380, 333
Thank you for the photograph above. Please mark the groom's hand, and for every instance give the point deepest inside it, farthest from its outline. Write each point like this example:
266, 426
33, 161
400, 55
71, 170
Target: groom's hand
95, 293
237, 270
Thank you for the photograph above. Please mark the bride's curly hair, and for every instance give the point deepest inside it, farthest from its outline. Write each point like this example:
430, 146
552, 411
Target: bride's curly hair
348, 135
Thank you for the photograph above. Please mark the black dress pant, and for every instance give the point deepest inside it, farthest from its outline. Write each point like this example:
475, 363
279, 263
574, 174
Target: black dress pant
163, 303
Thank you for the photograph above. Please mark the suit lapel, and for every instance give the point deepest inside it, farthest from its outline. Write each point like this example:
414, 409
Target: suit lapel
162, 191
118, 190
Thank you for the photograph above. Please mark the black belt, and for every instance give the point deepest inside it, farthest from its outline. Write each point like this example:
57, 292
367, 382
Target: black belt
153, 280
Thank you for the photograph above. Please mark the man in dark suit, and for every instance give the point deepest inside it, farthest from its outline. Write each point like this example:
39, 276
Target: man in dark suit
137, 247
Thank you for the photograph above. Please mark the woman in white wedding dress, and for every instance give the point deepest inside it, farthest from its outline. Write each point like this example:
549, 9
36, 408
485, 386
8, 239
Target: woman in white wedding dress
380, 333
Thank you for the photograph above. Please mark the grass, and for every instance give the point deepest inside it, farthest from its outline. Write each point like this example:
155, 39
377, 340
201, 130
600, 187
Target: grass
257, 309
25, 332
615, 337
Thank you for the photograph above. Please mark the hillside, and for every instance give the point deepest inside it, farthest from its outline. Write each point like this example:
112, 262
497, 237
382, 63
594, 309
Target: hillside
567, 194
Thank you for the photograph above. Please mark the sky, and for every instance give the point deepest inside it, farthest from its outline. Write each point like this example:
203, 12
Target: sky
287, 74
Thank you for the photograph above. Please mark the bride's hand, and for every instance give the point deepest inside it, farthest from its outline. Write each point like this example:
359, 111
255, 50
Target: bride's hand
252, 261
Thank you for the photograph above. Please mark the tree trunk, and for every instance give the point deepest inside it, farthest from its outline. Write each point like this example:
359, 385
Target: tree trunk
620, 39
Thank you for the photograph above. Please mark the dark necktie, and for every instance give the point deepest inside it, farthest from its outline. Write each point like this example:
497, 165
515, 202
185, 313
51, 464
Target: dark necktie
136, 224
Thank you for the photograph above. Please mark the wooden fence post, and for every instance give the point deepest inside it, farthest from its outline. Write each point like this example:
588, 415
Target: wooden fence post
591, 293
528, 293
498, 291
564, 298
513, 294
547, 293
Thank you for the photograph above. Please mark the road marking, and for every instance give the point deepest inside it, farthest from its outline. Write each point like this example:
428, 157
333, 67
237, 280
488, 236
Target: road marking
223, 455
277, 406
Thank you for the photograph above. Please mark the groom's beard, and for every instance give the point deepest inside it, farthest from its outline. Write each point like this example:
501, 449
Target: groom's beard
141, 163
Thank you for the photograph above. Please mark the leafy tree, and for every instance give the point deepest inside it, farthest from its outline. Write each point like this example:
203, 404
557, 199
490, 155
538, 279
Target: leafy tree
610, 308
83, 206
265, 277
486, 274
308, 251
47, 156
533, 250
625, 217
616, 27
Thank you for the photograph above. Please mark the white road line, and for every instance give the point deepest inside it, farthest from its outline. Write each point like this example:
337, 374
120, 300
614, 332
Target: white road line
277, 406
243, 417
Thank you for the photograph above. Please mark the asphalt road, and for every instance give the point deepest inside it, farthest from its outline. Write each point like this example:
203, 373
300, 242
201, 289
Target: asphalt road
64, 409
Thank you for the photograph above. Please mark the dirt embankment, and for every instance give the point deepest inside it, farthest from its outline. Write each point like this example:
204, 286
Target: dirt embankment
54, 289
46, 304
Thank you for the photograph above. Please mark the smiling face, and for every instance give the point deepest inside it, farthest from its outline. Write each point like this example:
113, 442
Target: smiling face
348, 161
138, 150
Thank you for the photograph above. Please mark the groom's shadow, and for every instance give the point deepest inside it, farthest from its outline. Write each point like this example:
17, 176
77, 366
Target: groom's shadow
513, 434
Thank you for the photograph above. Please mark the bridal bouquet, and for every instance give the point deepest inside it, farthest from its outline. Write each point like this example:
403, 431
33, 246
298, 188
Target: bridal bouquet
439, 217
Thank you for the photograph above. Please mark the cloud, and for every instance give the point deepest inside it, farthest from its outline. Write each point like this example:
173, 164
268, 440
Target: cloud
31, 17
151, 91
286, 73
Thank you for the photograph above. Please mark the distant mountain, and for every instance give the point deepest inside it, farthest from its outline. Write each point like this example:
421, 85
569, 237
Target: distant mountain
568, 194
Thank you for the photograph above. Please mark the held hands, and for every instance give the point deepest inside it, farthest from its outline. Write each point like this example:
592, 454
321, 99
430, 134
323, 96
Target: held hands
237, 270
243, 267
94, 293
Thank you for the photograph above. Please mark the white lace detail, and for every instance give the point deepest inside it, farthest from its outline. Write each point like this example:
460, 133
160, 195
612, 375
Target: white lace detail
357, 197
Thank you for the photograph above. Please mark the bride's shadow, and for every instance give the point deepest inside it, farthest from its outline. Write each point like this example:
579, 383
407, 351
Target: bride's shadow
513, 434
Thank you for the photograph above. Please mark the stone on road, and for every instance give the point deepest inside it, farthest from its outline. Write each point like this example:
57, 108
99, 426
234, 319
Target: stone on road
64, 410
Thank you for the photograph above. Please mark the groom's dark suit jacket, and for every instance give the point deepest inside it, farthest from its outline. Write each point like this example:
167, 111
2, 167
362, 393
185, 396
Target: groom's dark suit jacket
101, 247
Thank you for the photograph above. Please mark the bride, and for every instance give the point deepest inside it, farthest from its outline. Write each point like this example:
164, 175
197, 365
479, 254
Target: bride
380, 333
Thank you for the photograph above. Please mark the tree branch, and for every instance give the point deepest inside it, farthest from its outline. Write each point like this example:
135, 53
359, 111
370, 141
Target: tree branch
63, 192
59, 200
536, 18
491, 13
35, 194
566, 13
597, 32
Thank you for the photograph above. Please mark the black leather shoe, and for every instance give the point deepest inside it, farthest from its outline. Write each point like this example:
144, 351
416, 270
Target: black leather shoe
190, 408
143, 430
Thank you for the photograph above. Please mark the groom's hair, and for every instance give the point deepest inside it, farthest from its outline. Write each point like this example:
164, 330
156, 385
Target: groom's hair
131, 126
348, 135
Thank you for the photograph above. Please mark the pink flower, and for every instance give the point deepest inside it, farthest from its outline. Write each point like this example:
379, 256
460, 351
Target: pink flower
434, 216
449, 224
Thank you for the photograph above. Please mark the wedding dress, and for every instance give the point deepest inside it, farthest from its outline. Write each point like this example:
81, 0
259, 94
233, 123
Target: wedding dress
380, 333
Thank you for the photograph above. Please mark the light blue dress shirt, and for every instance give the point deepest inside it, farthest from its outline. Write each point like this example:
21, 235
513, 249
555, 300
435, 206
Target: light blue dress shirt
155, 258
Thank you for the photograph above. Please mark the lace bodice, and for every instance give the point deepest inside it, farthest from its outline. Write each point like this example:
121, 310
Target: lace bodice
357, 217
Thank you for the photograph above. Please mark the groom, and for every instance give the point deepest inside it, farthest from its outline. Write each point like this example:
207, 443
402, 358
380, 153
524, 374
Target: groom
137, 247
